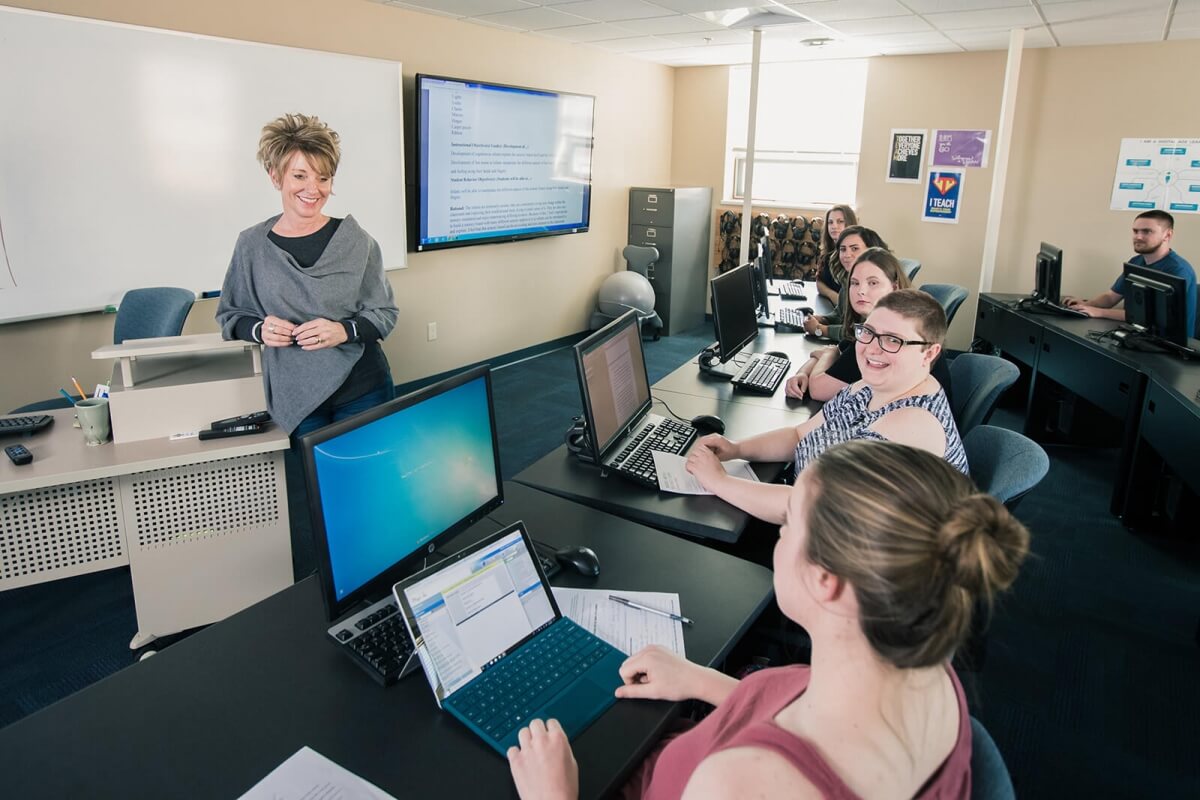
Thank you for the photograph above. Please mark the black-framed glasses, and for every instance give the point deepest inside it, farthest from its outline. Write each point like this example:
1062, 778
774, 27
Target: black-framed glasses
887, 342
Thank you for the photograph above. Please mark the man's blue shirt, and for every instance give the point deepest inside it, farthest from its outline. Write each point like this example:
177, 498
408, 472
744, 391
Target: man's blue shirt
1172, 264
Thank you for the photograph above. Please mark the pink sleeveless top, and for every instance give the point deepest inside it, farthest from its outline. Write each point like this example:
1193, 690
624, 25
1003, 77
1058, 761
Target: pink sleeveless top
746, 719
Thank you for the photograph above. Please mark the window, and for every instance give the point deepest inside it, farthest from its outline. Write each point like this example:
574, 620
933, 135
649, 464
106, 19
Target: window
809, 129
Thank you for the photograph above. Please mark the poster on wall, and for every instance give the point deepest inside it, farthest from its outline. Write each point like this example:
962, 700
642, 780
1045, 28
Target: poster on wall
943, 195
1158, 173
960, 148
904, 156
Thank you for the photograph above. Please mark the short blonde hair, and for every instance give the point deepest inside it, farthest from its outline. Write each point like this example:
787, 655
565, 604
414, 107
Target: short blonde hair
293, 133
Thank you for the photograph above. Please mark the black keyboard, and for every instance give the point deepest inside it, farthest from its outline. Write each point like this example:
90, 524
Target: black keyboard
792, 317
791, 290
763, 374
383, 647
636, 461
505, 697
11, 426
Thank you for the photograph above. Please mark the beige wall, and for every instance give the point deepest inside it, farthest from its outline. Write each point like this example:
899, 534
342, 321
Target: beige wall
487, 300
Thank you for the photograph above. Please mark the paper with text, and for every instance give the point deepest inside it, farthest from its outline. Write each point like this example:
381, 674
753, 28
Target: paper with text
674, 477
308, 775
627, 629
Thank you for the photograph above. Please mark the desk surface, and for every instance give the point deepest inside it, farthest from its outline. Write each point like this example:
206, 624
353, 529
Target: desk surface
212, 715
61, 456
701, 516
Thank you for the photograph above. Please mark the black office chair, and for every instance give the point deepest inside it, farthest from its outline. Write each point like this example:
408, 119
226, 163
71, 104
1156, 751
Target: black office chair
142, 314
989, 775
977, 381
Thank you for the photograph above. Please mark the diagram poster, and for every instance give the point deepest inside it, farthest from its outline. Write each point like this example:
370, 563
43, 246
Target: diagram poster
1158, 173
960, 148
943, 195
904, 157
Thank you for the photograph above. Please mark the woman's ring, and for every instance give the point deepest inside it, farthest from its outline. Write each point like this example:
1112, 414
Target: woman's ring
320, 340
271, 329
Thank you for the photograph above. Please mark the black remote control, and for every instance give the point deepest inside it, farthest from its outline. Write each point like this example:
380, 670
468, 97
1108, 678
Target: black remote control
19, 454
237, 430
257, 418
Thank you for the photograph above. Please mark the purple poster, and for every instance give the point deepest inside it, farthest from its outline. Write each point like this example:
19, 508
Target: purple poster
960, 148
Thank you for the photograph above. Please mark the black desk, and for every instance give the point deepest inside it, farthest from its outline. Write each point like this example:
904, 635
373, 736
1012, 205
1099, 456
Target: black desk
703, 516
212, 715
1151, 396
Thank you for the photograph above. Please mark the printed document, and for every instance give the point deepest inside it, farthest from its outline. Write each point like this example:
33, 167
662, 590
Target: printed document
308, 775
674, 477
627, 629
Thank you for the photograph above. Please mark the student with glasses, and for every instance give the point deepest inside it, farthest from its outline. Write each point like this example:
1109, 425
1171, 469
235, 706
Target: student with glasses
896, 400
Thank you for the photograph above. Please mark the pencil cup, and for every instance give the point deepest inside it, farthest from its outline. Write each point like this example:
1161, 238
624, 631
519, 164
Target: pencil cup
93, 419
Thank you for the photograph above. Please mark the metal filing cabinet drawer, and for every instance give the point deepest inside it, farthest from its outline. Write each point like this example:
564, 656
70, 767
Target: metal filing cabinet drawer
651, 207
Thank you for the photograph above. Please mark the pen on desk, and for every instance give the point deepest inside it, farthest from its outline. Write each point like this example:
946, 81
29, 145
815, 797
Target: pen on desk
78, 388
658, 611
64, 393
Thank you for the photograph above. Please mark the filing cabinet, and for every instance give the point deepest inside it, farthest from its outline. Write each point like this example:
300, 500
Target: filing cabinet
676, 221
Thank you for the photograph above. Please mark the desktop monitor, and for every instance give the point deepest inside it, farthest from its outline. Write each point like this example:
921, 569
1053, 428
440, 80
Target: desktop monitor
734, 316
761, 289
613, 381
1156, 303
388, 486
1048, 274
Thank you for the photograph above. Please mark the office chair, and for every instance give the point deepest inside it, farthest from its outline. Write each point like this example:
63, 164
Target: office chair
622, 291
989, 775
949, 295
142, 314
977, 380
1004, 463
911, 266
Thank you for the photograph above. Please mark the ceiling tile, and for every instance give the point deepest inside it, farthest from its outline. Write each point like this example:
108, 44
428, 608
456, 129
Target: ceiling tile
468, 8
873, 27
837, 10
1079, 10
918, 50
587, 33
988, 18
412, 7
612, 10
533, 19
939, 6
711, 37
661, 26
696, 6
1112, 30
904, 40
634, 44
997, 39
795, 32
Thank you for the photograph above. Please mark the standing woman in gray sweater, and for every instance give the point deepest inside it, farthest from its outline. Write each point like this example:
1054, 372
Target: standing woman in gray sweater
311, 288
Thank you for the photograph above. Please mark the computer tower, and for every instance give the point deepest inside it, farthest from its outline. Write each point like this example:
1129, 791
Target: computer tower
677, 222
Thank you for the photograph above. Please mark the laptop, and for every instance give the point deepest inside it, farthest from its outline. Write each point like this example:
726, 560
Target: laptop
496, 649
622, 433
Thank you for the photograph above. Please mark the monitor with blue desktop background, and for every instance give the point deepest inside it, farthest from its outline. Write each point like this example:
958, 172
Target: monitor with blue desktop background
1156, 303
387, 486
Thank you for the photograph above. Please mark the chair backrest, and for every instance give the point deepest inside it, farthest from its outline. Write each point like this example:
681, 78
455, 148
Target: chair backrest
977, 381
156, 311
989, 775
949, 295
1004, 463
639, 257
911, 267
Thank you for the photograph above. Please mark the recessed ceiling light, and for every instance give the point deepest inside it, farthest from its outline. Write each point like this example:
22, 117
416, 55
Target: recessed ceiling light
818, 41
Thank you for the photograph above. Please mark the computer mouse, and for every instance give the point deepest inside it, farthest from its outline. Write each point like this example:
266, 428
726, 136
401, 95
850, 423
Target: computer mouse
776, 353
708, 423
807, 309
582, 559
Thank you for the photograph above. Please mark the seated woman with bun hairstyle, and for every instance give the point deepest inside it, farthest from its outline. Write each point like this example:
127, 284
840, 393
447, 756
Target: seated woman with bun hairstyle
886, 590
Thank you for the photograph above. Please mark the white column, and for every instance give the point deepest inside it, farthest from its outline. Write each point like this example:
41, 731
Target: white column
751, 126
1008, 106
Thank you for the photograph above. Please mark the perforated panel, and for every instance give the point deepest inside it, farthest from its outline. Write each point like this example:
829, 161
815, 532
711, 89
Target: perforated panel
68, 529
217, 498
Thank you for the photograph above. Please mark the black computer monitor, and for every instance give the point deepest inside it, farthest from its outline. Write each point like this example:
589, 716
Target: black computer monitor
1156, 303
761, 290
734, 316
1048, 275
388, 486
612, 380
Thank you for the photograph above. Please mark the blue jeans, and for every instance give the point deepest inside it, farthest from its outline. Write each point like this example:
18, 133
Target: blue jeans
327, 413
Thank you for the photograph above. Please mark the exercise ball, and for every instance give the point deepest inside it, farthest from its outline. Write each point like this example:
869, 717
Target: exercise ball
624, 290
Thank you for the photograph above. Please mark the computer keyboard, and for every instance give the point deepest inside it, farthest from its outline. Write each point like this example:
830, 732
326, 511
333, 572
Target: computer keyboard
791, 290
636, 461
763, 373
11, 426
793, 317
504, 697
384, 647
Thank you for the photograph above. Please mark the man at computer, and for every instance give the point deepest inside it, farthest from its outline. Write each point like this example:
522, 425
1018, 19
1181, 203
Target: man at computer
1152, 234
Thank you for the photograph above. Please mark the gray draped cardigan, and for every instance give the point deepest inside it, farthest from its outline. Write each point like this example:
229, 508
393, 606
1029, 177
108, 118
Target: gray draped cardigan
347, 280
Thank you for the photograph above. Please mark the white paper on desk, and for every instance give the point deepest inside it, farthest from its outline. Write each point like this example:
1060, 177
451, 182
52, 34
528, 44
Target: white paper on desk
674, 477
308, 775
627, 629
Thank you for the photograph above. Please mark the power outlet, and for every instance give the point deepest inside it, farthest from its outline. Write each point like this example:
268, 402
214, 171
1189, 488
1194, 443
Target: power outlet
431, 331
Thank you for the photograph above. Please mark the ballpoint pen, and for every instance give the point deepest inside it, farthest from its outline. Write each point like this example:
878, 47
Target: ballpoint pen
70, 399
658, 611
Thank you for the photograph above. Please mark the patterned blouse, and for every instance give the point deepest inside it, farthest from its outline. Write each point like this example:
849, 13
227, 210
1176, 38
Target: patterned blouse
847, 417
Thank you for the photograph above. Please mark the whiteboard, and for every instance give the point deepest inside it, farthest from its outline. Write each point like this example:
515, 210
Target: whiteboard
127, 154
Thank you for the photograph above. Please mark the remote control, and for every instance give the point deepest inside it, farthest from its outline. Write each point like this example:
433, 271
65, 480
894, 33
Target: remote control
257, 418
19, 455
237, 430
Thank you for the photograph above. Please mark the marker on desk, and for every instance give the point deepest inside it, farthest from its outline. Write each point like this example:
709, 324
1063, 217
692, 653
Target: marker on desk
70, 399
78, 388
658, 611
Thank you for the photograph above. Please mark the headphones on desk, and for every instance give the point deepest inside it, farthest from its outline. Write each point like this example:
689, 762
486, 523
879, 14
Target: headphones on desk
578, 443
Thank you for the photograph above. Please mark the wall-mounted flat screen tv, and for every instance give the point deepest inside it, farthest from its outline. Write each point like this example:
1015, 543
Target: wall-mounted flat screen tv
500, 163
